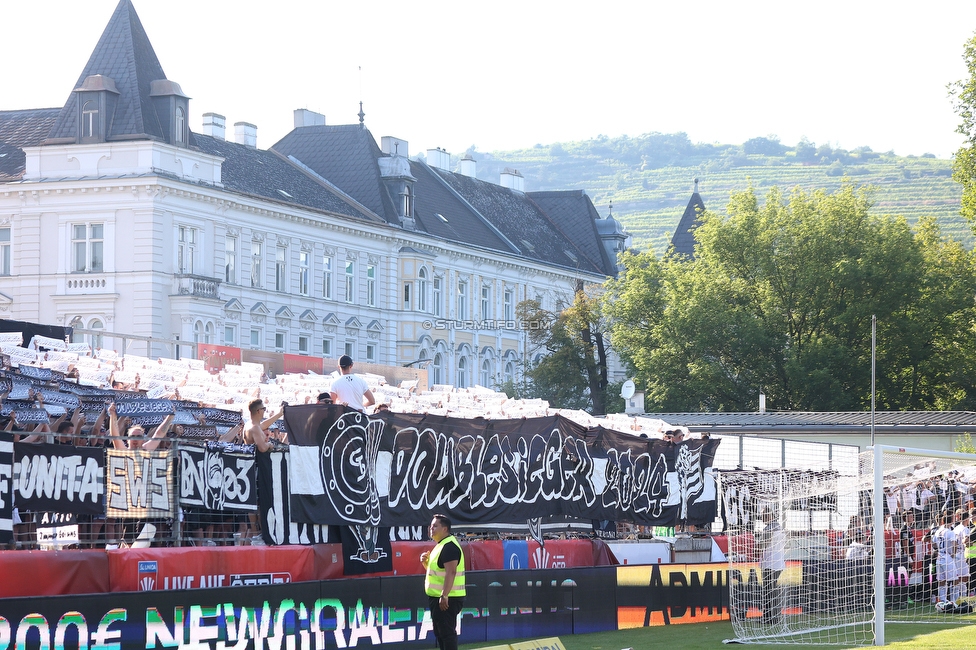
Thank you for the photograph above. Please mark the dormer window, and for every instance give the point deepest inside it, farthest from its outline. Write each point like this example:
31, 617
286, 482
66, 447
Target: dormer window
97, 97
407, 197
179, 133
171, 108
89, 119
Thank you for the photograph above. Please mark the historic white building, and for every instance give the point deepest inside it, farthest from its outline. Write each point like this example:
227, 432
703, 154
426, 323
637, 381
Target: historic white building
115, 216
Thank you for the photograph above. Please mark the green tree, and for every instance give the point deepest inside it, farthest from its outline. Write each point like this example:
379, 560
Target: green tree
573, 372
779, 299
963, 94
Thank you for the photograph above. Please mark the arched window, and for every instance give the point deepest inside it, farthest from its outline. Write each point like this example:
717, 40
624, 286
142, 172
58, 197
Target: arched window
407, 201
509, 371
462, 373
89, 119
438, 369
422, 289
486, 373
180, 125
75, 336
198, 332
95, 340
208, 333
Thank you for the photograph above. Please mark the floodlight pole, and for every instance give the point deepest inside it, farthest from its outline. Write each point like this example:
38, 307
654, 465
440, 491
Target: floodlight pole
878, 573
874, 347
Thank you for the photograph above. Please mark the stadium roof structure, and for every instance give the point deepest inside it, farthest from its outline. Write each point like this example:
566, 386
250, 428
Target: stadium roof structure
780, 423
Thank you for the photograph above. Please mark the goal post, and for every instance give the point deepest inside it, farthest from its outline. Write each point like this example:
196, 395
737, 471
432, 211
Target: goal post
830, 556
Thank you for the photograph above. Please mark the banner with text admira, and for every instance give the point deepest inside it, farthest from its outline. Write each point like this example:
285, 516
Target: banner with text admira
399, 469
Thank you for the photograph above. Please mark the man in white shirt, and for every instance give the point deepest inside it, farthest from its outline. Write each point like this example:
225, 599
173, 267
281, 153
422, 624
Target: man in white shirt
350, 389
771, 543
944, 541
961, 532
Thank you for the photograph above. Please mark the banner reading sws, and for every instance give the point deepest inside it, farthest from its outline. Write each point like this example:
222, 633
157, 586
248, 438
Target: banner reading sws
398, 469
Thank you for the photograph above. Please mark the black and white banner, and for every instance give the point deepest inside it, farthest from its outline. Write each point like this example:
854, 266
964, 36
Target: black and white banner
59, 478
140, 484
745, 494
6, 487
365, 549
276, 521
218, 477
400, 469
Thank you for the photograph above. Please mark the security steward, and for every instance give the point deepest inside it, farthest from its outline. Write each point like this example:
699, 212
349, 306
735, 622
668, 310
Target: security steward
445, 582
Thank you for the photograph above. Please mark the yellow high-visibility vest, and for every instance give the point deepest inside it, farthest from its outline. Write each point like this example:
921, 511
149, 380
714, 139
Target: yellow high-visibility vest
434, 583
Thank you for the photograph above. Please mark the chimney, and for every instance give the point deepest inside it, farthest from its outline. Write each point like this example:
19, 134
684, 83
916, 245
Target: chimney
305, 117
469, 166
246, 134
214, 125
394, 146
512, 179
439, 158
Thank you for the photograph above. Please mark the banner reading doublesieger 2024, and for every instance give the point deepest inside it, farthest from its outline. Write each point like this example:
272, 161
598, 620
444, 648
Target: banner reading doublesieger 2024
398, 469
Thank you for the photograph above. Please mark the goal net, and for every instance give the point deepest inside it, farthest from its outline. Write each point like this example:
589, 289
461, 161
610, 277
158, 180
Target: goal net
807, 567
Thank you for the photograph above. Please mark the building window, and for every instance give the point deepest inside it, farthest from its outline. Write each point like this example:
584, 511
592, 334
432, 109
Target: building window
509, 305
486, 373
256, 255
180, 125
509, 371
438, 300
422, 289
230, 260
327, 277
89, 119
303, 344
95, 340
304, 260
462, 373
279, 341
438, 366
462, 300
87, 241
256, 338
198, 332
350, 280
4, 251
230, 335
371, 285
485, 302
407, 197
280, 279
186, 249
370, 352
326, 347
406, 295
208, 333
350, 350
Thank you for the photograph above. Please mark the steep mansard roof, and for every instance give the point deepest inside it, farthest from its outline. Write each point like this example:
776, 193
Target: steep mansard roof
124, 54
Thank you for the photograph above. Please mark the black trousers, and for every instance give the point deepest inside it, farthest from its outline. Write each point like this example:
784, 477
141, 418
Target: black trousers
445, 622
771, 600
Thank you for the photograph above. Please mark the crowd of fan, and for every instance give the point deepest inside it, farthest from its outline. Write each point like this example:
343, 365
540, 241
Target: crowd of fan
65, 394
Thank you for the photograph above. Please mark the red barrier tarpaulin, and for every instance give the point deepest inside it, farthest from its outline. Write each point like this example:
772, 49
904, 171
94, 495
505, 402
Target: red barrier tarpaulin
148, 569
53, 573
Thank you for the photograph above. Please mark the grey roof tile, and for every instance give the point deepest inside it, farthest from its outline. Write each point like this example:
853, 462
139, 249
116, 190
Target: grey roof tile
267, 174
345, 156
522, 221
124, 54
18, 129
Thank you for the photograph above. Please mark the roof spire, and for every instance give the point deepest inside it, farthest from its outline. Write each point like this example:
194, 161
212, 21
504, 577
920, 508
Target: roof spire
610, 210
696, 186
362, 115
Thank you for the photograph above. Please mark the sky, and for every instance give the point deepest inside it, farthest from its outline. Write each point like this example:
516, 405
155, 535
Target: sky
509, 75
